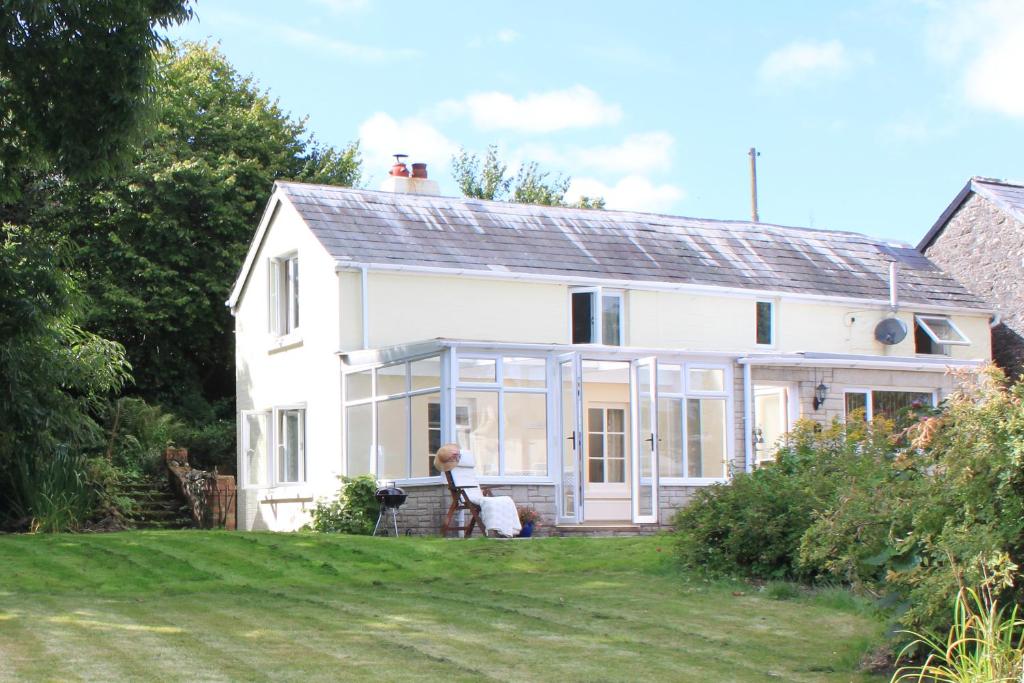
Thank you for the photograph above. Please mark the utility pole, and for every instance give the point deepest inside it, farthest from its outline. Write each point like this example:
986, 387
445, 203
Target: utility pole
753, 153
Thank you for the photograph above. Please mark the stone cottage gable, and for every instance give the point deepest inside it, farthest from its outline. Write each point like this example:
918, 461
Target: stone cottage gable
979, 240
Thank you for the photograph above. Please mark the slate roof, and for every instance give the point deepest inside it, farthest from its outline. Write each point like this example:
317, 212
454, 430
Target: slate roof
1006, 195
368, 227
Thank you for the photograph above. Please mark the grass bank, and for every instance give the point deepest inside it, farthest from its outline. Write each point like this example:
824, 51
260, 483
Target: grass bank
200, 605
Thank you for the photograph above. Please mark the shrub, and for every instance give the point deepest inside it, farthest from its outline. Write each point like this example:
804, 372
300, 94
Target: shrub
137, 434
211, 446
754, 525
353, 511
52, 493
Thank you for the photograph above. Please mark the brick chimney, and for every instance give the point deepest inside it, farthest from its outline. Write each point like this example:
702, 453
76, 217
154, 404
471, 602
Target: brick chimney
400, 180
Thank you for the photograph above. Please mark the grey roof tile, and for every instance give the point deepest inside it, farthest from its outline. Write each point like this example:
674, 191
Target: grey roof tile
363, 226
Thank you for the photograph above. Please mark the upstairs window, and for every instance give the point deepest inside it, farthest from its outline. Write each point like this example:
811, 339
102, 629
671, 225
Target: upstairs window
596, 316
765, 323
284, 295
933, 335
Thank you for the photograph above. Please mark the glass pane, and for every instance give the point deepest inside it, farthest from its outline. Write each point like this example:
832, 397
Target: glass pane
764, 322
892, 403
645, 429
670, 429
705, 437
670, 379
616, 420
616, 445
771, 420
595, 446
595, 472
595, 420
611, 310
256, 449
359, 440
357, 385
569, 476
426, 433
616, 471
293, 298
707, 379
524, 372
426, 373
478, 370
943, 329
526, 434
480, 436
393, 439
582, 317
288, 450
391, 380
857, 401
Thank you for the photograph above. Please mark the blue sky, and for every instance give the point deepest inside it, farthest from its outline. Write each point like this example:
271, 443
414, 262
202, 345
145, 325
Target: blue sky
869, 116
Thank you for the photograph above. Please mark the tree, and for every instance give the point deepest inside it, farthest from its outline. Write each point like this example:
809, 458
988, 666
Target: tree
488, 179
159, 245
74, 81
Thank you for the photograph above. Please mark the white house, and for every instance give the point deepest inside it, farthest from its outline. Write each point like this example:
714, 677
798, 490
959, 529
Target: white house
600, 365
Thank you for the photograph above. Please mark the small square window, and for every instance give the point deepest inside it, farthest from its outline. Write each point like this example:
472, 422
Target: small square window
932, 334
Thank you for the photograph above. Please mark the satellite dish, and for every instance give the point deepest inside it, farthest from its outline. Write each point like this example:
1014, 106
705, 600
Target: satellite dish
891, 331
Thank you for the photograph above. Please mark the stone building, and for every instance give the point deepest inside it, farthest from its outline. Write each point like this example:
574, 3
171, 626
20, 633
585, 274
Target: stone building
979, 239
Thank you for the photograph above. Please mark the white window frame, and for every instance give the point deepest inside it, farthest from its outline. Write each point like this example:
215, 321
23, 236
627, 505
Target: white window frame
283, 298
869, 411
375, 398
772, 323
598, 295
278, 434
687, 393
501, 390
923, 320
244, 442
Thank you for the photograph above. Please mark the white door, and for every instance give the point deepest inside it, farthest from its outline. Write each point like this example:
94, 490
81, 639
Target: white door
570, 498
645, 442
771, 420
606, 448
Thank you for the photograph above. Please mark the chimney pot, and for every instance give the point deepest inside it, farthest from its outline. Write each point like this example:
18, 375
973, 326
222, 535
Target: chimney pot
399, 169
419, 171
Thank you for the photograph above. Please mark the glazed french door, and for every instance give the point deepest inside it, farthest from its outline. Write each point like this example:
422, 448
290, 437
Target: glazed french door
645, 442
570, 391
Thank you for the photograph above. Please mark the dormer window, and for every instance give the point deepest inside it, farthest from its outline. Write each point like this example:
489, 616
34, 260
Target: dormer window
596, 316
933, 335
284, 295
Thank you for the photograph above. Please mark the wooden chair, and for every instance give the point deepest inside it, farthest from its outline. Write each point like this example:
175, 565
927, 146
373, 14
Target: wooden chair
466, 493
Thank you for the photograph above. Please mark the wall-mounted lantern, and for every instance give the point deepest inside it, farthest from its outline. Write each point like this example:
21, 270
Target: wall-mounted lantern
820, 394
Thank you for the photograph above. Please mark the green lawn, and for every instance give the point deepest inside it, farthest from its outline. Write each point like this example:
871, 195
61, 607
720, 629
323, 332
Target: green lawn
194, 605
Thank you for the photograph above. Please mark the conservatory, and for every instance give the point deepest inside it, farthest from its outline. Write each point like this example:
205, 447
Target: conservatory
601, 429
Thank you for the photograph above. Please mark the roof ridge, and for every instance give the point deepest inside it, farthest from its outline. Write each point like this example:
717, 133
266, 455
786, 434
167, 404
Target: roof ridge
620, 212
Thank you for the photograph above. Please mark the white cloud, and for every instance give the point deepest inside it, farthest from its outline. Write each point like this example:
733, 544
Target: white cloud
632, 192
507, 35
805, 61
637, 153
342, 48
381, 136
574, 107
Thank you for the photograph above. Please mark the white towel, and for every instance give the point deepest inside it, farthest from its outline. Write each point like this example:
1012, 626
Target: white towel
498, 513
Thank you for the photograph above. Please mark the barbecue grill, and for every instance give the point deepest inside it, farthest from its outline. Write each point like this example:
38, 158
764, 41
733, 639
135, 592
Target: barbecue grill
390, 498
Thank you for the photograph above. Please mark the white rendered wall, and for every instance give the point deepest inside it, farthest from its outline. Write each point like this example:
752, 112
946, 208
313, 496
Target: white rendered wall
305, 371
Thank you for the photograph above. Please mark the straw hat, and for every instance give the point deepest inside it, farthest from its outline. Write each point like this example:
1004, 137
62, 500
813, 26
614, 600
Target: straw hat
447, 457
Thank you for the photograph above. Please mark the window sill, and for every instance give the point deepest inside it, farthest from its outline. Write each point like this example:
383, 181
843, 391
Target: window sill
283, 493
284, 343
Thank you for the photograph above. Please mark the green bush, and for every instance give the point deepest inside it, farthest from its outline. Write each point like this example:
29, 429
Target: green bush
137, 434
353, 511
52, 492
754, 525
211, 446
911, 514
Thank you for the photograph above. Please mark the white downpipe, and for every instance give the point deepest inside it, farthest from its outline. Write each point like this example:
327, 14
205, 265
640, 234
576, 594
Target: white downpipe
364, 303
748, 419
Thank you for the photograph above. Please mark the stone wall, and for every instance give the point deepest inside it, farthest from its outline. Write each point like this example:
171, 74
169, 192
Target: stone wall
426, 505
983, 248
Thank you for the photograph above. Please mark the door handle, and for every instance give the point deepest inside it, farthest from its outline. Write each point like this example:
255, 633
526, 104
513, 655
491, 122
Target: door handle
650, 440
572, 438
